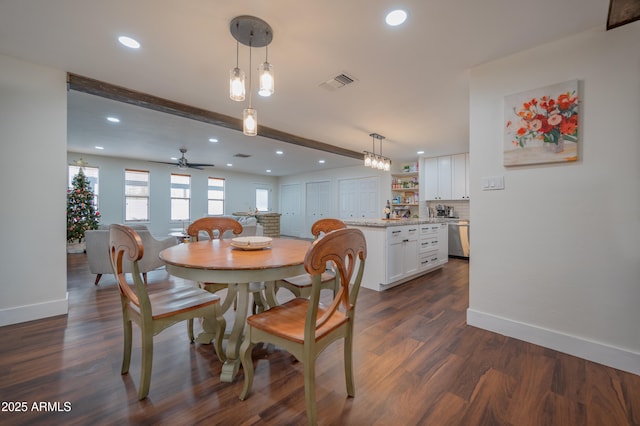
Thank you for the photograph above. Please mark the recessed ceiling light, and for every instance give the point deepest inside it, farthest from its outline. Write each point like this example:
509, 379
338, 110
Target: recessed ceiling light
279, 152
99, 147
129, 42
174, 158
420, 152
213, 140
268, 170
396, 17
321, 161
113, 119
229, 165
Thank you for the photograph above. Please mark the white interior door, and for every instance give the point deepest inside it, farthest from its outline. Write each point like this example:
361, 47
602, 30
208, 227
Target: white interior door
291, 222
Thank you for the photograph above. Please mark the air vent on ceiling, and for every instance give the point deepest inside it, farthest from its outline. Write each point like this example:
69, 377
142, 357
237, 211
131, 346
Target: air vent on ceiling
338, 81
242, 155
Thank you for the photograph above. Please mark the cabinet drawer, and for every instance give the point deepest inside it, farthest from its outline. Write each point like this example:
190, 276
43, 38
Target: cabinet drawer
396, 234
428, 243
428, 259
431, 228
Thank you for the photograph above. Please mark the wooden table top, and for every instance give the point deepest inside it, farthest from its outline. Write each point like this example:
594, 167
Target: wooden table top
220, 255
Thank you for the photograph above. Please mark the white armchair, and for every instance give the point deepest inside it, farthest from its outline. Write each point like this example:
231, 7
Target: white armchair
97, 242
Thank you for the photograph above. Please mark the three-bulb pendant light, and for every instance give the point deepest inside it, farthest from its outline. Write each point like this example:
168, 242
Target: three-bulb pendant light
375, 161
252, 32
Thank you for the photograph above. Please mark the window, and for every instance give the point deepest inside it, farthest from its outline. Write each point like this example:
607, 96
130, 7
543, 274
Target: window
215, 195
92, 176
180, 197
136, 195
262, 199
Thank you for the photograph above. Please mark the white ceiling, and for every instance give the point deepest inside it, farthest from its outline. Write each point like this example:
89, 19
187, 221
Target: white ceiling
412, 80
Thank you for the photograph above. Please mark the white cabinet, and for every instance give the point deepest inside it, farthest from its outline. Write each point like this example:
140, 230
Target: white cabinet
433, 250
446, 177
402, 251
397, 254
437, 173
460, 174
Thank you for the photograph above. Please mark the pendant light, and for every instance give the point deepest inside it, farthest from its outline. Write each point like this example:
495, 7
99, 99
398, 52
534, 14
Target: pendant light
373, 160
267, 82
252, 32
236, 80
250, 115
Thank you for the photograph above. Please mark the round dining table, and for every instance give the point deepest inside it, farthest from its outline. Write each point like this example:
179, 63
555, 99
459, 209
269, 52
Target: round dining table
219, 261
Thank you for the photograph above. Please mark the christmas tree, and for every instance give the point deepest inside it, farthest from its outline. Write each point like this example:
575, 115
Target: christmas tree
81, 212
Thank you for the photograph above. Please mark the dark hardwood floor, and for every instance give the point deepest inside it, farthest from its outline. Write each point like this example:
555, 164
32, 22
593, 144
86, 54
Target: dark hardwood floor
416, 363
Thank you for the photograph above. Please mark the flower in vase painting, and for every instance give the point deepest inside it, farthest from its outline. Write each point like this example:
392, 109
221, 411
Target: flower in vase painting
547, 119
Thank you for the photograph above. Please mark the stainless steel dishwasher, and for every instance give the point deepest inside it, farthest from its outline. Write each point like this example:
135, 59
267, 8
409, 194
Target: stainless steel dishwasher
459, 238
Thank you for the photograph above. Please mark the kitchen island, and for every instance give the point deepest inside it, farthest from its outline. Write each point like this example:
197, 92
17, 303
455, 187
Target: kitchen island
399, 250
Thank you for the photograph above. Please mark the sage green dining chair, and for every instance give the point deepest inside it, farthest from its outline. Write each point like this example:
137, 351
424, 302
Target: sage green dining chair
156, 306
303, 326
217, 228
300, 285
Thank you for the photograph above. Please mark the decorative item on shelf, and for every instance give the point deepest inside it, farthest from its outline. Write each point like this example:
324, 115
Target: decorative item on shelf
375, 161
387, 210
252, 32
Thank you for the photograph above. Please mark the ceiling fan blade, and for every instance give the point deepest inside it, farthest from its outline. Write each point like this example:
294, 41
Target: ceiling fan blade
199, 165
192, 166
163, 162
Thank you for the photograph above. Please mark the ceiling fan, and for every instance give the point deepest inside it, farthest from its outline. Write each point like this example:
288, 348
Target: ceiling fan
184, 164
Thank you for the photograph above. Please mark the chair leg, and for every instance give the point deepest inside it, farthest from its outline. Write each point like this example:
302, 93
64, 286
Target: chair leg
190, 329
247, 364
147, 361
97, 279
126, 353
310, 389
348, 363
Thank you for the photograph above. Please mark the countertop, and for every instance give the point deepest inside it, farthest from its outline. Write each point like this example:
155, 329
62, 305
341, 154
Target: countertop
384, 223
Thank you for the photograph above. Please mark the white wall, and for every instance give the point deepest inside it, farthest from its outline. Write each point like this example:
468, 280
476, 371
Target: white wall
239, 190
33, 117
556, 255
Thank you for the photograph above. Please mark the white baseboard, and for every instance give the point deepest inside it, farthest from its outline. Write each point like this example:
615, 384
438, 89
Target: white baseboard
593, 351
18, 314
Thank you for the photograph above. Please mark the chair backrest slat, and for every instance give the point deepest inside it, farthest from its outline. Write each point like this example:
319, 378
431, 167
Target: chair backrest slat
125, 245
211, 224
344, 248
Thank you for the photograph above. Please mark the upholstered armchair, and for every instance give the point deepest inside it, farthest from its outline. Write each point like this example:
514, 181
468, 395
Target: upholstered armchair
97, 242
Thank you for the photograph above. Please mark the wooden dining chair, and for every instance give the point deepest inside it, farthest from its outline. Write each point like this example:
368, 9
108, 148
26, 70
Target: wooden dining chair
216, 227
304, 327
300, 285
154, 309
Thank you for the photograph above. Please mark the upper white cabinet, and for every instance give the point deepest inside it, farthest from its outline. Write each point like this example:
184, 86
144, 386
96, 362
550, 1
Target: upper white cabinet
437, 172
446, 177
460, 173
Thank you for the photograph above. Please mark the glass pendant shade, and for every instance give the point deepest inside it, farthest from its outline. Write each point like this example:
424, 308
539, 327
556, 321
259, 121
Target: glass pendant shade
236, 85
250, 122
367, 160
267, 81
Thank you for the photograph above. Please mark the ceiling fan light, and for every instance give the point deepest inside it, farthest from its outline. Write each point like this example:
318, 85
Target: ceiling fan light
250, 121
236, 85
267, 82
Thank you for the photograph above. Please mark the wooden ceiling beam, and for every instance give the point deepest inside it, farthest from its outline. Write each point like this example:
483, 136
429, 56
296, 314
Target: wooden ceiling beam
144, 100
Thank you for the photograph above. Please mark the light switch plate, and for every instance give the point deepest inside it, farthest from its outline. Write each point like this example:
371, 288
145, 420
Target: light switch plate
492, 183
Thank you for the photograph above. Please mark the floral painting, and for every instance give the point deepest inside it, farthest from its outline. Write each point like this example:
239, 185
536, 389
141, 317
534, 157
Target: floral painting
541, 126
